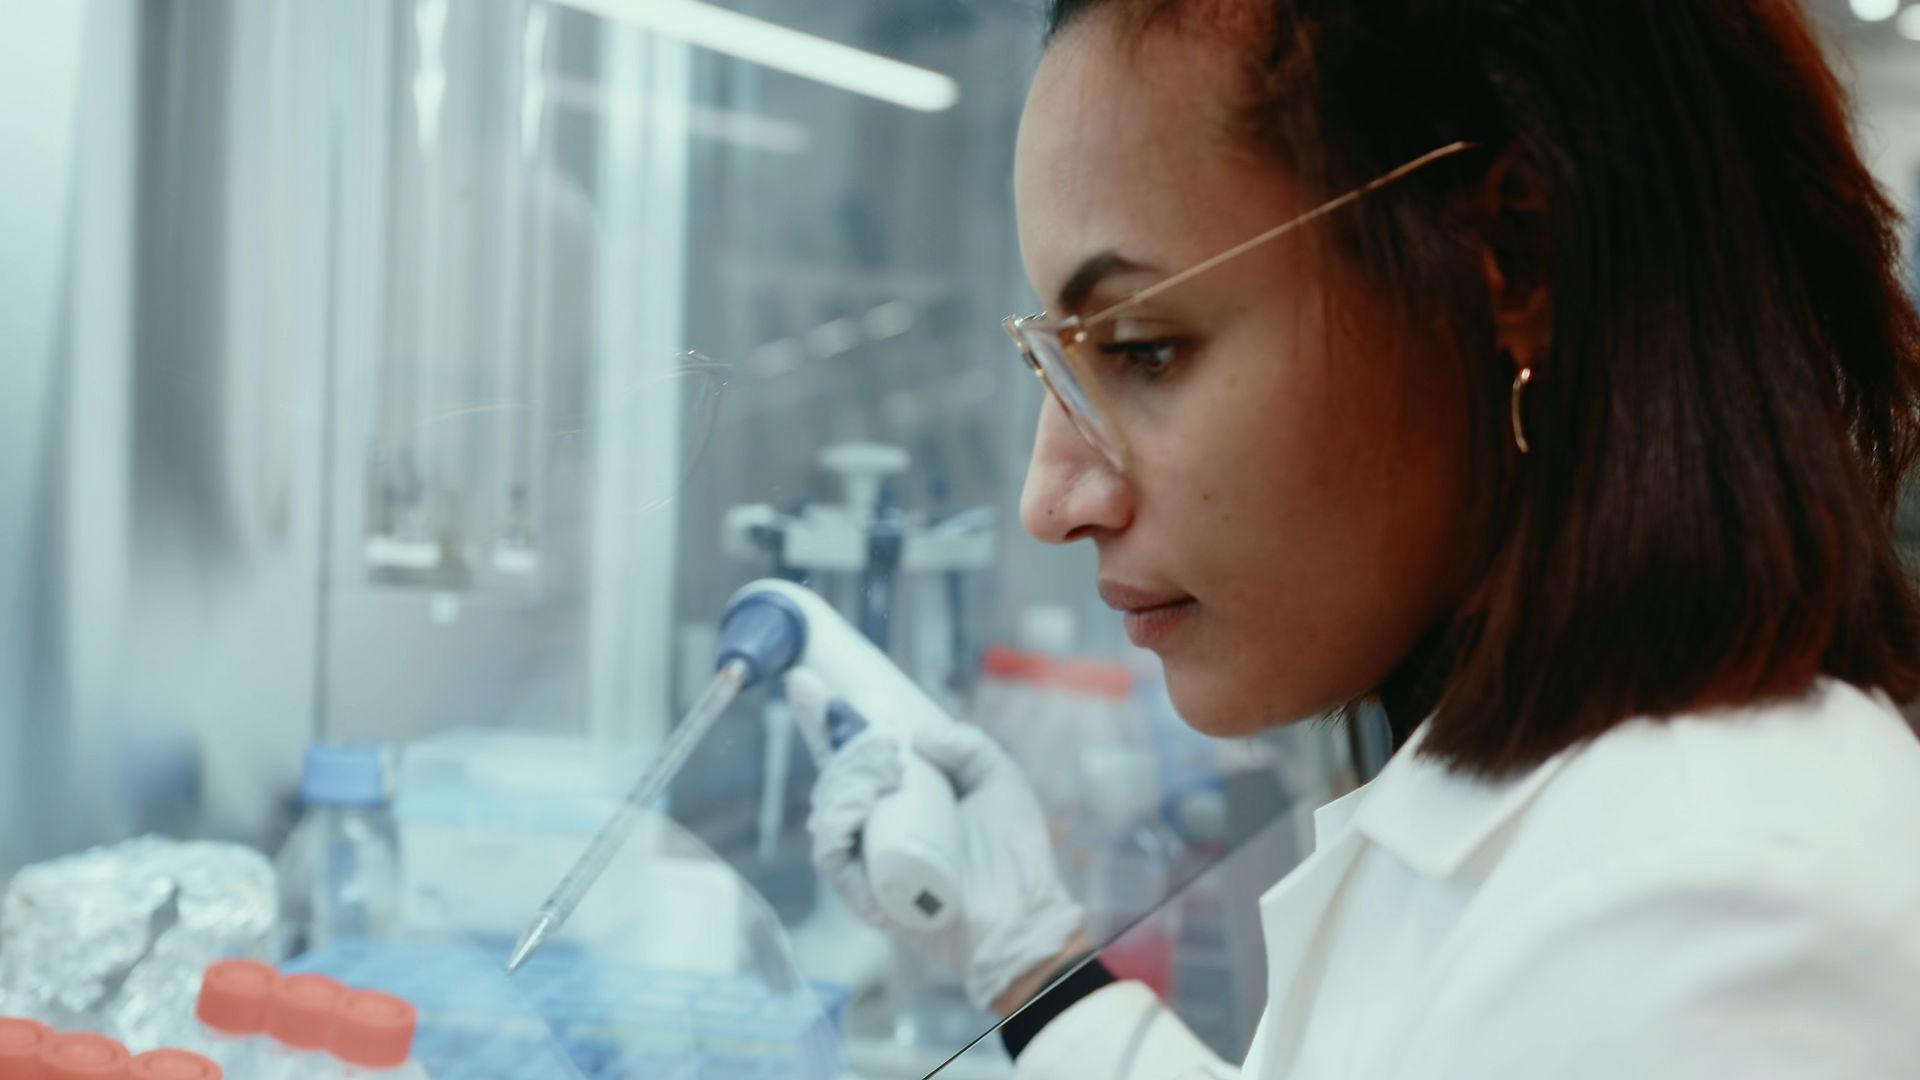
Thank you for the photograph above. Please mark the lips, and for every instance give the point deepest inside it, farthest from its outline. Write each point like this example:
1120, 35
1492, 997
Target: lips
1151, 614
1130, 598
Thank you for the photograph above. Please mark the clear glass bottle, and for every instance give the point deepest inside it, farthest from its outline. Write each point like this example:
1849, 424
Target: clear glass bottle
340, 868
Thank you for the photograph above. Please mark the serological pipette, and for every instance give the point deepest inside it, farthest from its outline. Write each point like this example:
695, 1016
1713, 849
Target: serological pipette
727, 683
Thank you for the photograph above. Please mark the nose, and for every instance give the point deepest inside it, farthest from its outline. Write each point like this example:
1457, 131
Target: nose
1072, 492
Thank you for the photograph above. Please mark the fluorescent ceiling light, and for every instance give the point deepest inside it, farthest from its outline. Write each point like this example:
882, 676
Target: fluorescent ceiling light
775, 46
744, 130
1875, 10
1909, 24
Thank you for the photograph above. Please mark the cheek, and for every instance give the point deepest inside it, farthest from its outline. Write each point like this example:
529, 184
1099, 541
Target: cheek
1257, 446
1312, 498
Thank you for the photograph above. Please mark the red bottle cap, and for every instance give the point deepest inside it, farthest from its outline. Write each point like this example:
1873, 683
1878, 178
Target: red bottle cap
373, 1030
20, 1043
172, 1065
81, 1055
1090, 678
301, 1011
234, 996
1001, 662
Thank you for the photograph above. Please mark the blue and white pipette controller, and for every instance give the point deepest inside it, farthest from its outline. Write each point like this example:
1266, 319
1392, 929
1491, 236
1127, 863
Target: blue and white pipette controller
911, 845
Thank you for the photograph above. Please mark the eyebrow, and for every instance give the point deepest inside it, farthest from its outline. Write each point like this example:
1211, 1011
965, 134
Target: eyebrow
1088, 276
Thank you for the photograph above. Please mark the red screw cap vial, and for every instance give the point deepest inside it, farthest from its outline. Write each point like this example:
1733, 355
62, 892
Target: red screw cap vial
234, 995
374, 1030
300, 1013
172, 1065
20, 1044
83, 1055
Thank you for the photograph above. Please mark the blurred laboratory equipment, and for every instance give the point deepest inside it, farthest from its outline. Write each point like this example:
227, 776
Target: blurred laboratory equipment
1191, 765
1131, 860
1168, 836
1072, 725
773, 629
115, 938
865, 551
338, 870
1045, 707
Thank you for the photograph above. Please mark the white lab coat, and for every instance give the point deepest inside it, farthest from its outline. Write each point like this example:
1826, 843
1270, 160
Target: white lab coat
1733, 894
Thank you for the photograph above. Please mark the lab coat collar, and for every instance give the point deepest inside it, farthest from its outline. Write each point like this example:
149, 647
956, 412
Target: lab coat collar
1427, 816
1331, 819
1431, 817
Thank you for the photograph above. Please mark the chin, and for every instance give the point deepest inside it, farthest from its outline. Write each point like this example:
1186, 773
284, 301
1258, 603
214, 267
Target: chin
1214, 702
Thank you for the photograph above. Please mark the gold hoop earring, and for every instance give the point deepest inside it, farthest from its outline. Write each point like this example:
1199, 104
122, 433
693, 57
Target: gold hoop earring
1520, 382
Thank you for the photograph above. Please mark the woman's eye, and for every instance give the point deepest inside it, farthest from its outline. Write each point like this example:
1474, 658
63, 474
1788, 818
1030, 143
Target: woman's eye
1151, 358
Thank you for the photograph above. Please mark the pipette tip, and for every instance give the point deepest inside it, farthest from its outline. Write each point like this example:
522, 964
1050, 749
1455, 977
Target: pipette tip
535, 936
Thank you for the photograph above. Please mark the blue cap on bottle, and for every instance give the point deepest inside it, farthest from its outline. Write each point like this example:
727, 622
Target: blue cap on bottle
348, 775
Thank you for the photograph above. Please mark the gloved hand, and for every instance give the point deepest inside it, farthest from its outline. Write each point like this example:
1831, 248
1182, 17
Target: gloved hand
1016, 915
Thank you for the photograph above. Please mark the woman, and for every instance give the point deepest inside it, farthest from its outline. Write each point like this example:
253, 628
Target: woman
1541, 370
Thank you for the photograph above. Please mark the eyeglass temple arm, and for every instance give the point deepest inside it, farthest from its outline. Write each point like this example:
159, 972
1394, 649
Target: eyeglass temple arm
1282, 229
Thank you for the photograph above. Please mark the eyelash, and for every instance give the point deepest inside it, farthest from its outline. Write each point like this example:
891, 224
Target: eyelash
1152, 358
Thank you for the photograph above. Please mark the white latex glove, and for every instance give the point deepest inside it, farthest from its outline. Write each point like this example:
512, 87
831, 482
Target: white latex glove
1015, 915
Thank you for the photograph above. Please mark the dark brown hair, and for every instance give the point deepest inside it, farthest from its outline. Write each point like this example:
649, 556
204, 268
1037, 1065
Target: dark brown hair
1727, 410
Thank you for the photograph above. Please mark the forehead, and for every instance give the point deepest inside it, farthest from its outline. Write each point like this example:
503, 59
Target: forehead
1133, 145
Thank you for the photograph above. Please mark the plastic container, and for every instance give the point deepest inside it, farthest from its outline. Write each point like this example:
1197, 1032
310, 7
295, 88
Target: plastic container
232, 1011
1024, 704
373, 1036
20, 1043
173, 1064
83, 1056
300, 1018
340, 869
489, 820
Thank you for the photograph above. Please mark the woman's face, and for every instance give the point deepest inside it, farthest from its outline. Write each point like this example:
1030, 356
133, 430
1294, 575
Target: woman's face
1293, 513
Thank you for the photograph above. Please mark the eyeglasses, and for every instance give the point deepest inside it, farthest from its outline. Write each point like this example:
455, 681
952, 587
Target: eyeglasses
1064, 352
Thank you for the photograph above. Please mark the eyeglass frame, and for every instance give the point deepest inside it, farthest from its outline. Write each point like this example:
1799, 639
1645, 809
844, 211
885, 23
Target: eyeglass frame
1068, 333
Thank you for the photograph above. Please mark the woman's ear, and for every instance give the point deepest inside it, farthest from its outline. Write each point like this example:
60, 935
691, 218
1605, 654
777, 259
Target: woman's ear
1516, 257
